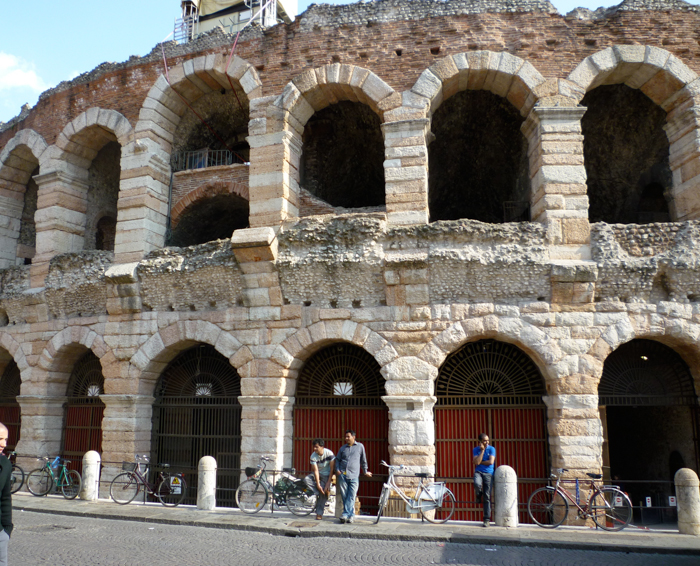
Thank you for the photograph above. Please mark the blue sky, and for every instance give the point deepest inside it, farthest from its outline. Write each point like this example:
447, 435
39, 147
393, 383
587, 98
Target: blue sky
43, 42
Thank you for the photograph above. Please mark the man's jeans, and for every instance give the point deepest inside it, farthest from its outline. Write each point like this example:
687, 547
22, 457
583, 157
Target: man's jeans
4, 538
321, 497
348, 491
482, 485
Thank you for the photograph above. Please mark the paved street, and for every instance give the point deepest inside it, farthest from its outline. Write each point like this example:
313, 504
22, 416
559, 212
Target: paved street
58, 540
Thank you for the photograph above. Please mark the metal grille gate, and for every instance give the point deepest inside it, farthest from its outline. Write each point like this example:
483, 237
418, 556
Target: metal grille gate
196, 413
9, 407
82, 430
340, 388
493, 387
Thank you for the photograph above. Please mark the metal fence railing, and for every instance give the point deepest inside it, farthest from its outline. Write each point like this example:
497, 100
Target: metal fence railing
203, 158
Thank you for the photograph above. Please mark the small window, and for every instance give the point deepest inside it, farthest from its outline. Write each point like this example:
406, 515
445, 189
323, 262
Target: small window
342, 388
203, 390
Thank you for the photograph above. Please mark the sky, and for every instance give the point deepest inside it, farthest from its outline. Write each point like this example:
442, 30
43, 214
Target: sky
44, 42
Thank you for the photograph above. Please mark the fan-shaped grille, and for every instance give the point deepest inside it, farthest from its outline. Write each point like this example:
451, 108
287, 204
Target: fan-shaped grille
199, 372
645, 372
489, 372
10, 382
87, 379
341, 374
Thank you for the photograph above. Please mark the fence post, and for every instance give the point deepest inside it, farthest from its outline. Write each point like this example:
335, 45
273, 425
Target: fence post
91, 476
206, 487
506, 496
688, 501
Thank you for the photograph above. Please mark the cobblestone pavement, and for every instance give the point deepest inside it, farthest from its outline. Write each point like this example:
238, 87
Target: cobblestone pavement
58, 540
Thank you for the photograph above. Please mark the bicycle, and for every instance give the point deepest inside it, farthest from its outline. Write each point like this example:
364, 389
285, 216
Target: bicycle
42, 480
434, 501
17, 477
169, 489
253, 494
608, 506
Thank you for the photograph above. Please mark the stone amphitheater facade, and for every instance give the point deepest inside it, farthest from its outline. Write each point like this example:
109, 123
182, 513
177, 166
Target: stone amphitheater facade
409, 291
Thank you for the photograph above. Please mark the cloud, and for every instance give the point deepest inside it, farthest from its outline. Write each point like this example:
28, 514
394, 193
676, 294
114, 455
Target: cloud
16, 73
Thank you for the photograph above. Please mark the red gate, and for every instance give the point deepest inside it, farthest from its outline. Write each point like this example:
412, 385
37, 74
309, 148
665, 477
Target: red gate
9, 408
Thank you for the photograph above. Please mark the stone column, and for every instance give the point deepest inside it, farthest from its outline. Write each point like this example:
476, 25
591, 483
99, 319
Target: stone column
206, 487
266, 430
558, 179
91, 476
683, 131
60, 220
506, 497
42, 428
406, 171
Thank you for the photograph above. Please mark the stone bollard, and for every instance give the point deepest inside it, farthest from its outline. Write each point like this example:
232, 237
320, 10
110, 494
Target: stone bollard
506, 497
688, 501
91, 476
206, 487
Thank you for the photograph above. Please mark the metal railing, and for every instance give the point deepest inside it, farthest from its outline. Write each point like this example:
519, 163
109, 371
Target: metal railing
203, 158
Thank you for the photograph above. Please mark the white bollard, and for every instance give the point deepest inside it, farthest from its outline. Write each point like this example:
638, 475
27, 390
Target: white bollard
206, 487
91, 476
688, 501
506, 496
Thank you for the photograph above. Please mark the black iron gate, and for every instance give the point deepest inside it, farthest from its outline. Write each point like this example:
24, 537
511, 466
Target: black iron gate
196, 413
9, 407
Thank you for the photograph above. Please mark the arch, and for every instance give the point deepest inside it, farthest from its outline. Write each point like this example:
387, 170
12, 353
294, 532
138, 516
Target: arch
503, 74
14, 349
317, 88
204, 192
653, 70
28, 138
147, 364
10, 415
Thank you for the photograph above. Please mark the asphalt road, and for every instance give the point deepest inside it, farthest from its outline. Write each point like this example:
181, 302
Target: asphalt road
59, 540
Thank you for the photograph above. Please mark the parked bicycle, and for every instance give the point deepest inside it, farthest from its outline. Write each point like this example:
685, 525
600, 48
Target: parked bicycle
54, 473
434, 501
17, 478
169, 488
253, 494
608, 506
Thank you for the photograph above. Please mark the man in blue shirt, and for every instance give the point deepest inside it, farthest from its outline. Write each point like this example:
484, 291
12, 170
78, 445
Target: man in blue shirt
350, 460
484, 458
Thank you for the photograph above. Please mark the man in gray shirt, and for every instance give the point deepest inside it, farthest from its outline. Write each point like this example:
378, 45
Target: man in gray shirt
350, 460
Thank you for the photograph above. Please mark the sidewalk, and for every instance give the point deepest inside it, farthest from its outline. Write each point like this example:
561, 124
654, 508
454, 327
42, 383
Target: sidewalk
285, 524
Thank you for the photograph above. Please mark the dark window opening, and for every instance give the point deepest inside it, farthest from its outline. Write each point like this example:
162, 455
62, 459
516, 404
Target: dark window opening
27, 229
212, 219
343, 156
626, 154
102, 196
106, 233
478, 166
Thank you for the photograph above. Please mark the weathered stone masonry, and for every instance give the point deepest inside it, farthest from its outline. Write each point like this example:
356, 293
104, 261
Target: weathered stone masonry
407, 291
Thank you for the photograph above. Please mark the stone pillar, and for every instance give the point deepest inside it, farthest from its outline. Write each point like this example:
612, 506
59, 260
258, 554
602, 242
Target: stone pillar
683, 131
266, 430
688, 501
558, 179
91, 476
406, 171
60, 220
575, 433
206, 488
256, 251
126, 431
406, 278
506, 497
42, 428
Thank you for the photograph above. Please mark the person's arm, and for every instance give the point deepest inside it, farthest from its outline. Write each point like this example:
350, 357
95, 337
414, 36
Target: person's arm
480, 456
6, 502
363, 463
317, 477
492, 458
332, 470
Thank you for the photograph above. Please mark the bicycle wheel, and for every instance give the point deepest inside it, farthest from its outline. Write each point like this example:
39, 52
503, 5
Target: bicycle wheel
547, 507
383, 500
444, 510
124, 488
17, 478
251, 496
39, 482
171, 491
72, 483
301, 499
611, 509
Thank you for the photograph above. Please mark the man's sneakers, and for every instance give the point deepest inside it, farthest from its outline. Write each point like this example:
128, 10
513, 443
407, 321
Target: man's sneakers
487, 523
342, 520
350, 519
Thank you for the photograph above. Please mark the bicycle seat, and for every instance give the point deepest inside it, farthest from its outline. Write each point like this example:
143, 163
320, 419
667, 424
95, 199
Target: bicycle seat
290, 470
595, 476
422, 475
66, 462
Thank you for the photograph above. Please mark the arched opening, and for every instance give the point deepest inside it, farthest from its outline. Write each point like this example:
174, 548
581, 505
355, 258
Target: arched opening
478, 166
9, 407
343, 157
84, 410
492, 387
213, 218
649, 411
196, 413
340, 388
102, 195
626, 153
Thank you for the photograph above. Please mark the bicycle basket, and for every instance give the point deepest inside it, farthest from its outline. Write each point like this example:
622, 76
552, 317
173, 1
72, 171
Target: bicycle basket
129, 466
434, 491
250, 472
